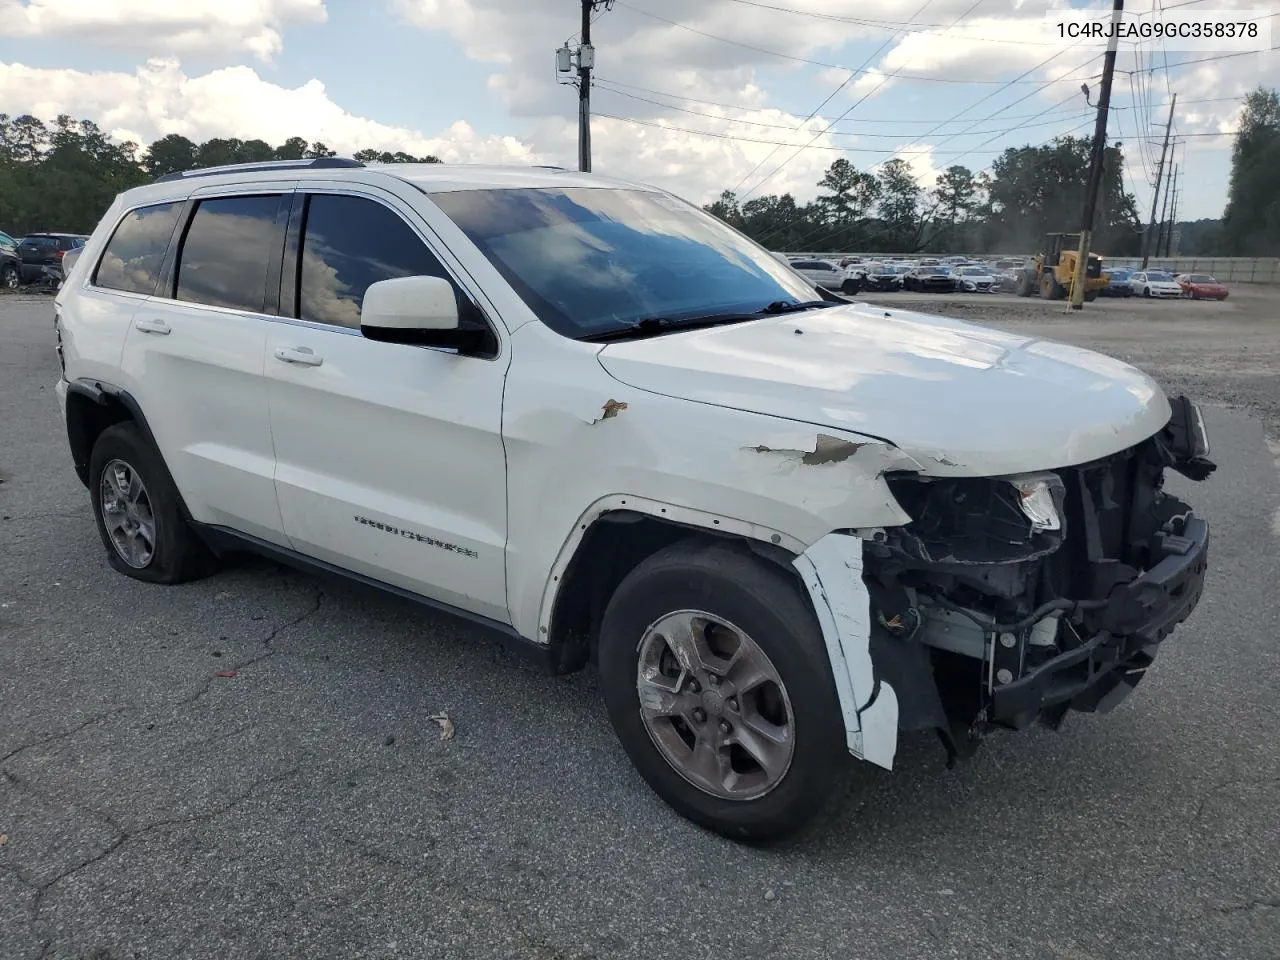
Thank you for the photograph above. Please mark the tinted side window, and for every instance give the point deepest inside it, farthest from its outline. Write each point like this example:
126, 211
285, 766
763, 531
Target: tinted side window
226, 250
136, 250
349, 243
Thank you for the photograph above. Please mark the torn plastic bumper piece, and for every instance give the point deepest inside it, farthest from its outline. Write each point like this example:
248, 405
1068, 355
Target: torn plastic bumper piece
1097, 675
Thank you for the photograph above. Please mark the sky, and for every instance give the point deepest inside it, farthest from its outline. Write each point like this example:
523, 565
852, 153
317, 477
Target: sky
695, 96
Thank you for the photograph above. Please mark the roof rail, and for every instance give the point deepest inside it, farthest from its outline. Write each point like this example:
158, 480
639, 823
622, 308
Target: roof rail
318, 163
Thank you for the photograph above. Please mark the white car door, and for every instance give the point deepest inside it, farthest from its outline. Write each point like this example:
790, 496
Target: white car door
390, 460
193, 358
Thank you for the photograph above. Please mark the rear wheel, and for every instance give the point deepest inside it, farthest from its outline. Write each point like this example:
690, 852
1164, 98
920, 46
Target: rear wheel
138, 511
717, 682
1025, 285
1090, 295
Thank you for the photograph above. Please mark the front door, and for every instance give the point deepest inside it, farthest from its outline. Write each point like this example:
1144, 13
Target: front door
389, 458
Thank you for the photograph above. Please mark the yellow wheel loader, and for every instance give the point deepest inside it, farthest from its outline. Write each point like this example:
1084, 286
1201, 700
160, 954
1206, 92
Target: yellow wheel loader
1049, 274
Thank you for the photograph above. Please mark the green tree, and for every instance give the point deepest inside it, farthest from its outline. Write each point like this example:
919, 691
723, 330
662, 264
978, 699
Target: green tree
851, 193
294, 148
169, 154
1251, 223
901, 219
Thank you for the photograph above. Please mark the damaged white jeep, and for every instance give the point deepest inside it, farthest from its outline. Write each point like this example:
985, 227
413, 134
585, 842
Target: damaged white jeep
588, 415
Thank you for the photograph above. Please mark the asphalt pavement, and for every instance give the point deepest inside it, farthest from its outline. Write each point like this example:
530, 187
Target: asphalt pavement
308, 807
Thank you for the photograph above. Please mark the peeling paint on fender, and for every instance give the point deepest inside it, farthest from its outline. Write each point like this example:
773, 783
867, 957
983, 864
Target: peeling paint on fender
610, 410
826, 449
832, 572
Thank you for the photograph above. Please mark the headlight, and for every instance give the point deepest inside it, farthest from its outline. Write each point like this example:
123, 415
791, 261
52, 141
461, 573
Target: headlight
1035, 497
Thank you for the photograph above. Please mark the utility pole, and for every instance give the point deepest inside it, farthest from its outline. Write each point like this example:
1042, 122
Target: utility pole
1173, 217
1096, 158
1162, 232
1155, 201
585, 63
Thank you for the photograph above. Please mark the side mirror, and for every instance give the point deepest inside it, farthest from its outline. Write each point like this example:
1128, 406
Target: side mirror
409, 310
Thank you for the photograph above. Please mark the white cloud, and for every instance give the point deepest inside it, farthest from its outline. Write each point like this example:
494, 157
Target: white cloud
159, 99
163, 26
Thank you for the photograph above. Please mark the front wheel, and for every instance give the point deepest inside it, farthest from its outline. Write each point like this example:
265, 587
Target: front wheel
1146, 292
717, 682
9, 277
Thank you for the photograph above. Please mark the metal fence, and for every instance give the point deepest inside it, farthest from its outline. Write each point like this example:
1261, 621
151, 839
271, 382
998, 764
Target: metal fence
1226, 269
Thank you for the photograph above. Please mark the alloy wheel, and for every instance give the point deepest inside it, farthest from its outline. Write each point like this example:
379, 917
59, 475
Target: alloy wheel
714, 705
126, 514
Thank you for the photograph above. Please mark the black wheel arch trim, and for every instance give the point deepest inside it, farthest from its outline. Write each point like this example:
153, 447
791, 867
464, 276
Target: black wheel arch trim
81, 436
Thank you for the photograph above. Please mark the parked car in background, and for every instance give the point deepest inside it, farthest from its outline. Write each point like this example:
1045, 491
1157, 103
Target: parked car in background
1118, 282
1201, 286
1154, 283
10, 269
971, 279
40, 250
881, 278
929, 278
827, 274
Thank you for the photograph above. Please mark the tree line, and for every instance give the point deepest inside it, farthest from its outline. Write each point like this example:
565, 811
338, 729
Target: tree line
64, 175
1029, 191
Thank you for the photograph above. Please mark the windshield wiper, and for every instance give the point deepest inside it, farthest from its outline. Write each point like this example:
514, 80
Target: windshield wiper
791, 306
652, 326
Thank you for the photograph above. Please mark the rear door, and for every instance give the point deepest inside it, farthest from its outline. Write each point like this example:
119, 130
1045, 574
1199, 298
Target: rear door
390, 460
195, 351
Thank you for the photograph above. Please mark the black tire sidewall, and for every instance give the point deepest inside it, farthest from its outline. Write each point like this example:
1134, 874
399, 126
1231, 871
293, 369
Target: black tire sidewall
766, 605
171, 560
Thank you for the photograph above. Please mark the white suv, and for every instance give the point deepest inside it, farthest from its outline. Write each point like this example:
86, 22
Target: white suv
599, 421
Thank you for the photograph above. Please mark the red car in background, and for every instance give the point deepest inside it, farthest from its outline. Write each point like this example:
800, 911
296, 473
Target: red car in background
1201, 286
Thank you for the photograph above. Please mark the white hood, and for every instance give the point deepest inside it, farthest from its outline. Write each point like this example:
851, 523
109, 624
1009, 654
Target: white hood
959, 398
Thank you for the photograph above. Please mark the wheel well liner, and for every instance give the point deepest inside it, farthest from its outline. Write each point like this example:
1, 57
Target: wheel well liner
92, 406
612, 546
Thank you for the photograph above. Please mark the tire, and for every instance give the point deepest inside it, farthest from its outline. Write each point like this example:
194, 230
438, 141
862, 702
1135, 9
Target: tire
850, 287
1090, 296
1025, 286
1050, 288
10, 278
738, 592
1146, 292
176, 554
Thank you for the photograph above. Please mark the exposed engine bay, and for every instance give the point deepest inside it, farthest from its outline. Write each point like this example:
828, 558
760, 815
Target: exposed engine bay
1011, 600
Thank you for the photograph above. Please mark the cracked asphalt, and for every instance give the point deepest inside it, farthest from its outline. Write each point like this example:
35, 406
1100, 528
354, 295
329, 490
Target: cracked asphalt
305, 806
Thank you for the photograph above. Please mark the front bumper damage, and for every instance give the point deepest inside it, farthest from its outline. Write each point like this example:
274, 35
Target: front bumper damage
1010, 601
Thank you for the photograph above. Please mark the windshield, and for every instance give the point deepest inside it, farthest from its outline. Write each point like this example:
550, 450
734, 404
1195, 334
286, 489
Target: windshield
1154, 275
1201, 278
973, 272
589, 261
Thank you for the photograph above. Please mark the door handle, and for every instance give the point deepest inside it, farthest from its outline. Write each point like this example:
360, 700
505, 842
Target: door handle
152, 326
302, 356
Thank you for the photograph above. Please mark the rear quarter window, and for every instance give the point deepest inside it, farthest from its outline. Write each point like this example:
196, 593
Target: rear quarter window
135, 252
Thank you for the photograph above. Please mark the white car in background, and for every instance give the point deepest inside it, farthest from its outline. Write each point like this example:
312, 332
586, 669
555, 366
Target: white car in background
1155, 283
975, 279
827, 274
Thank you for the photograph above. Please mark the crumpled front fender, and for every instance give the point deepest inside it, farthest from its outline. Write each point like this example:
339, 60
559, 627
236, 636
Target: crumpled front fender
831, 569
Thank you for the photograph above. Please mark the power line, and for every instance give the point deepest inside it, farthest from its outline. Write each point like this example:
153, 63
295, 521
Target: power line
782, 143
610, 83
844, 83
786, 56
784, 126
